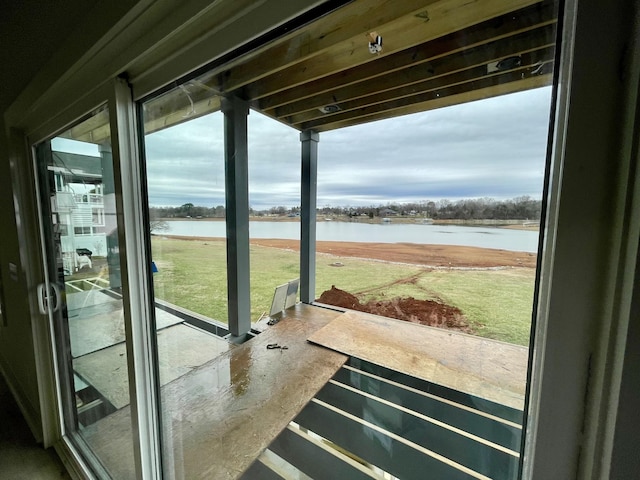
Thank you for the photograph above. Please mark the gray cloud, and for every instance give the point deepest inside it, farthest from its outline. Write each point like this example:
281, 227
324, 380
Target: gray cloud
491, 148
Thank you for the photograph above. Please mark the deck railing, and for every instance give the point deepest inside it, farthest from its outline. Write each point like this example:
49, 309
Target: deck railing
372, 422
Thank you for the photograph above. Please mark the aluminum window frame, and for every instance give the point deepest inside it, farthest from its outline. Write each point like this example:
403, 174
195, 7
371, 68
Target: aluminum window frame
140, 337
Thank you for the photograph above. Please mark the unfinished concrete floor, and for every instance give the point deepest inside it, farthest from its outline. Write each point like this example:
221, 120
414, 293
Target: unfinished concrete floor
20, 456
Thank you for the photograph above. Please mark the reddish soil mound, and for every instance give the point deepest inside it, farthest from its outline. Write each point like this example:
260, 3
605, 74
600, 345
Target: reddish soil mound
340, 298
425, 312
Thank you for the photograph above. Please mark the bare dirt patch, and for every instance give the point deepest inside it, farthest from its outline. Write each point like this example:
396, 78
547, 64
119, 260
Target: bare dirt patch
416, 254
424, 312
454, 256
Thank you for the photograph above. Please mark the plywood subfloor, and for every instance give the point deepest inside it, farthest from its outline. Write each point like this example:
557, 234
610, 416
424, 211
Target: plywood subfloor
486, 368
219, 417
181, 349
101, 325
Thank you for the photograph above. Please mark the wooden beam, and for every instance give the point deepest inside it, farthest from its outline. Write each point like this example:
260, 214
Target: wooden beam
444, 17
184, 114
307, 69
488, 31
481, 55
458, 79
166, 111
82, 131
354, 19
187, 102
415, 85
432, 100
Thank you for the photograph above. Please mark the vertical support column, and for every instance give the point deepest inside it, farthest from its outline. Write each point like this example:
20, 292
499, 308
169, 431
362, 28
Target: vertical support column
309, 140
237, 216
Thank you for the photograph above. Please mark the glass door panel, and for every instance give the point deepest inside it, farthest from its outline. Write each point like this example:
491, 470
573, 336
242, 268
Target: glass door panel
84, 291
185, 172
274, 221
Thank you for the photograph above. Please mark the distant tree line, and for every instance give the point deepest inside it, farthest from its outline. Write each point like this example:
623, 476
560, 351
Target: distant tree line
188, 210
519, 208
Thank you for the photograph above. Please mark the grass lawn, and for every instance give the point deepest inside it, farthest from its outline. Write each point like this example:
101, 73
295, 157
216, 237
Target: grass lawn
497, 303
192, 274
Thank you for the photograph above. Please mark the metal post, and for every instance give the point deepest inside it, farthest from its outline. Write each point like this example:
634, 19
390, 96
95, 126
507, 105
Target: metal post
237, 214
309, 140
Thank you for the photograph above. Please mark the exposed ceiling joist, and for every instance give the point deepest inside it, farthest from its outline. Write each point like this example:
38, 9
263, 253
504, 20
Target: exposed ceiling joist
319, 37
503, 26
444, 17
529, 62
491, 88
422, 73
323, 76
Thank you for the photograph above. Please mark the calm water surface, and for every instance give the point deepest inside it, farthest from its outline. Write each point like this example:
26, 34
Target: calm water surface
486, 237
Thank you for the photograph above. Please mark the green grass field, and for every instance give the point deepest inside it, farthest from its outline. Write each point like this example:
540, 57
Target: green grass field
192, 274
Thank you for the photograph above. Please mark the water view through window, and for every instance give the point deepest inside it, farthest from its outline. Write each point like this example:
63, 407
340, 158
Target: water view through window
448, 205
274, 172
440, 209
426, 209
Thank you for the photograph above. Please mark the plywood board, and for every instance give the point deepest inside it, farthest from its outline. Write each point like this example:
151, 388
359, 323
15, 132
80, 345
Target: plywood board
219, 417
181, 349
486, 368
100, 325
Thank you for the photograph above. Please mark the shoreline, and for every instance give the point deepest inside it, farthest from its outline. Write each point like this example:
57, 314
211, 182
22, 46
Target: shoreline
428, 255
508, 224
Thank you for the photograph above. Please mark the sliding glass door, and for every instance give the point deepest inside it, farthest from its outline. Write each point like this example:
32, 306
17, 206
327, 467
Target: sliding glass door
186, 194
83, 294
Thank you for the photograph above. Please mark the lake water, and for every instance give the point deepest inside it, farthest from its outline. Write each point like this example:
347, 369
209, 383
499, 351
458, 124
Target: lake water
487, 237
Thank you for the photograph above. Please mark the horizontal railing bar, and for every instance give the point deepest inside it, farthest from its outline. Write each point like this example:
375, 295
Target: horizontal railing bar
434, 437
193, 318
428, 419
463, 398
398, 456
490, 427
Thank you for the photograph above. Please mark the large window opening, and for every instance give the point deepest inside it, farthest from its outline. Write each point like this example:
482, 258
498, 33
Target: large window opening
445, 206
186, 192
397, 168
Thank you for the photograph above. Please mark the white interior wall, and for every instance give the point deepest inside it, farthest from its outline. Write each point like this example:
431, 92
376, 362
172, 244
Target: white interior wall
17, 356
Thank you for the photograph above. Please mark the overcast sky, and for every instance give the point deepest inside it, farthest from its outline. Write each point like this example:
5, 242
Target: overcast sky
491, 148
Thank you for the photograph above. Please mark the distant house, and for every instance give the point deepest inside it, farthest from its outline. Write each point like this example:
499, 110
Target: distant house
80, 205
387, 212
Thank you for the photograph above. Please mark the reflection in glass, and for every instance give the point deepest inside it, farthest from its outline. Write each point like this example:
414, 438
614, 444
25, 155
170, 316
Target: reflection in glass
184, 160
79, 199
